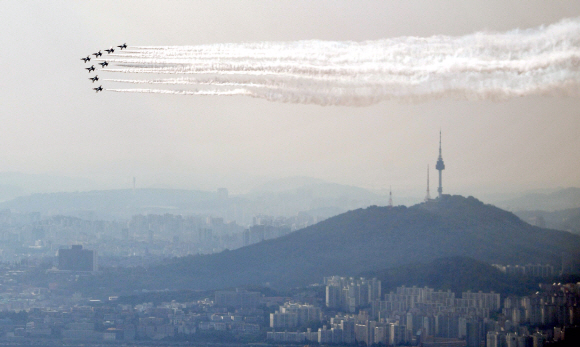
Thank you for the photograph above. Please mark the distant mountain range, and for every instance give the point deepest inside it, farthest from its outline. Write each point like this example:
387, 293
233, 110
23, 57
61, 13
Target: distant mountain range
15, 184
117, 203
558, 210
315, 188
568, 220
560, 200
286, 197
362, 240
282, 197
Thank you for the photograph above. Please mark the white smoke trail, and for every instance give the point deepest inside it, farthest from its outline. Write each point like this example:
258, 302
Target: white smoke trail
184, 92
498, 66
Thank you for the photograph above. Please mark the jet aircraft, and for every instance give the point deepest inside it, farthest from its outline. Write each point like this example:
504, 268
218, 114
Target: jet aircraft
88, 58
92, 68
99, 89
110, 50
103, 64
96, 78
122, 46
98, 54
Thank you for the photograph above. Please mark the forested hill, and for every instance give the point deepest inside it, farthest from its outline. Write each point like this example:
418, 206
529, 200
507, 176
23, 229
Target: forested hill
457, 274
368, 239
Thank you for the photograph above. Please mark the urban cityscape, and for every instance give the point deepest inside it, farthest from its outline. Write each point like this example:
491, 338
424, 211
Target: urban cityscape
260, 173
336, 311
339, 310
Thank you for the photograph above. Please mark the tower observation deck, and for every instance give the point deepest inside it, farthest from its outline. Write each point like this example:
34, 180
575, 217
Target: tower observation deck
440, 167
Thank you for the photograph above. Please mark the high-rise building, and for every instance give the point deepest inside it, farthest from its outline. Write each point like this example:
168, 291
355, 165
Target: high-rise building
349, 293
538, 339
292, 315
77, 259
333, 296
474, 333
397, 334
494, 339
440, 167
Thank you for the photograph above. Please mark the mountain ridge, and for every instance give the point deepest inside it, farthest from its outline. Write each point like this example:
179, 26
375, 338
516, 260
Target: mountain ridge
559, 200
369, 239
567, 220
324, 200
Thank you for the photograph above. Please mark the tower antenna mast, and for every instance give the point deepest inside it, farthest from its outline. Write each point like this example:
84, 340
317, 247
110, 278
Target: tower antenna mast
440, 167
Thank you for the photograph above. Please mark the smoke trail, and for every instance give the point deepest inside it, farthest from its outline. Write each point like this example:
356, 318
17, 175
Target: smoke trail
481, 66
183, 92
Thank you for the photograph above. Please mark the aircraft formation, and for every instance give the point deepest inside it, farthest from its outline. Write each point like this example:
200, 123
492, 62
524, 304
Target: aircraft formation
103, 64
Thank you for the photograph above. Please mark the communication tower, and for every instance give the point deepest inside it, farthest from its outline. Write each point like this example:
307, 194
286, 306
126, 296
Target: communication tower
440, 167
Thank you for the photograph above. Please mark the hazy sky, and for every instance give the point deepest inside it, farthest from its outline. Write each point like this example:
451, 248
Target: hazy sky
53, 122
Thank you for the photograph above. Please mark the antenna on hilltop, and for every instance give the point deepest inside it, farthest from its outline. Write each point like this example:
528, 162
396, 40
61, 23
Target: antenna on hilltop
390, 197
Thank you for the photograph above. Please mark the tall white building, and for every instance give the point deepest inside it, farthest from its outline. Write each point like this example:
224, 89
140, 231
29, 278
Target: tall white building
348, 293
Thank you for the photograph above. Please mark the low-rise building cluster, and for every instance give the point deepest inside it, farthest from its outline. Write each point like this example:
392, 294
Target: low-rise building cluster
122, 322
